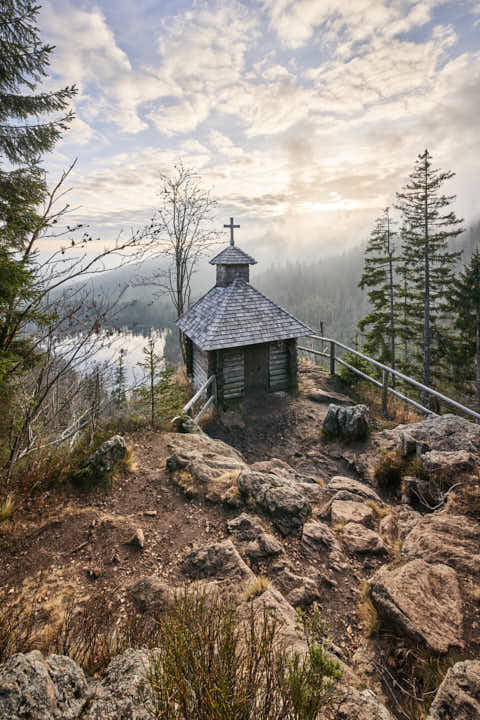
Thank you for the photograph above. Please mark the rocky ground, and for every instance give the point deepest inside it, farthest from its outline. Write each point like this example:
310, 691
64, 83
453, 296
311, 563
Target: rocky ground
263, 493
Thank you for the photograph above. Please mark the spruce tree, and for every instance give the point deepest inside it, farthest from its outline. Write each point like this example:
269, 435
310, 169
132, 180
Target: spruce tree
465, 305
27, 129
428, 263
379, 277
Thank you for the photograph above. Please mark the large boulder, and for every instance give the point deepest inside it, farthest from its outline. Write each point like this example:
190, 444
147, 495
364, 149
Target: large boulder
278, 496
444, 433
450, 539
38, 688
100, 466
347, 423
359, 539
458, 697
423, 601
204, 467
124, 691
219, 560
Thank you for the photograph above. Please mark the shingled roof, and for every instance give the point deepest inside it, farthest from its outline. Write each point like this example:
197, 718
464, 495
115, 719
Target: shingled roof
232, 255
238, 315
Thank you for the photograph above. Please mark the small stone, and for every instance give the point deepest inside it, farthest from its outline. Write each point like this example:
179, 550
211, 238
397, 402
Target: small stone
150, 513
137, 539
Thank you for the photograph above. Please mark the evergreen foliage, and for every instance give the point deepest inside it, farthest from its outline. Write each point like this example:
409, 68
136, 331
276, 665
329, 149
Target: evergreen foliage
24, 61
428, 264
379, 277
465, 304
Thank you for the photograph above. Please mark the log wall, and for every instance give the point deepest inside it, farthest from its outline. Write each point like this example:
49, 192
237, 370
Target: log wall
200, 367
279, 366
233, 375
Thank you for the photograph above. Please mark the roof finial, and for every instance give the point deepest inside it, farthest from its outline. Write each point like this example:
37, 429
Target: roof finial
231, 226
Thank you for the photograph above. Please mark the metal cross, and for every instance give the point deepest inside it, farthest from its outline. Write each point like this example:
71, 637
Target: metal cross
231, 226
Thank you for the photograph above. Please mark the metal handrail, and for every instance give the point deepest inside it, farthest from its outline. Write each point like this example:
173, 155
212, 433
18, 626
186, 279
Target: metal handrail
188, 408
386, 370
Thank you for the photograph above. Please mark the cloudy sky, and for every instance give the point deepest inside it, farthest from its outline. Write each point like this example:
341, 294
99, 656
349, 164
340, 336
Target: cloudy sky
304, 116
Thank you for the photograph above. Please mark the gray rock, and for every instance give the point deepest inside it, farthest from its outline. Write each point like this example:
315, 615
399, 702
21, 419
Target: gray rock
101, 464
361, 705
35, 688
450, 464
446, 433
124, 690
341, 483
357, 538
263, 546
278, 497
318, 536
345, 511
458, 697
245, 527
347, 423
220, 560
150, 594
204, 467
450, 539
422, 600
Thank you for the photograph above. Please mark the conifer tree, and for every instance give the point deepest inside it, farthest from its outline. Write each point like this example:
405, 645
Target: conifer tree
428, 226
379, 277
465, 304
152, 364
27, 128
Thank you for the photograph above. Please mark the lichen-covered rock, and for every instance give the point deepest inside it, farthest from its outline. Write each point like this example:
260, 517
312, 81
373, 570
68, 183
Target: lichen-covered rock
220, 560
36, 688
359, 539
450, 539
278, 497
123, 691
345, 511
399, 522
204, 467
99, 466
458, 697
347, 423
422, 600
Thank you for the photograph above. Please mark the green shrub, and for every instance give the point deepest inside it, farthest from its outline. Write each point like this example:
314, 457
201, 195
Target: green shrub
214, 660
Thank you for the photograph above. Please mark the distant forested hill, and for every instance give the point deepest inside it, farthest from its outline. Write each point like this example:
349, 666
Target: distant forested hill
321, 290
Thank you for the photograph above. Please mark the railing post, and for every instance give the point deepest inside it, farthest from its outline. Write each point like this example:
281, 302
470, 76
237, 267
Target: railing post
332, 357
385, 393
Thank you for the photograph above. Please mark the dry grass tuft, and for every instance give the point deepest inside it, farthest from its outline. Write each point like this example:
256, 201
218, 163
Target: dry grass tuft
367, 611
465, 500
255, 588
380, 511
7, 508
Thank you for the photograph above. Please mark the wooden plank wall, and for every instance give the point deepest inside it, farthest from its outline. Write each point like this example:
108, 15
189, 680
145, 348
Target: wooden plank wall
233, 373
200, 367
279, 366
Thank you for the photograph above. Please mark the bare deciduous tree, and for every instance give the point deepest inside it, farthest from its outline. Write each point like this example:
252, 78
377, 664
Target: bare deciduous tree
182, 229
